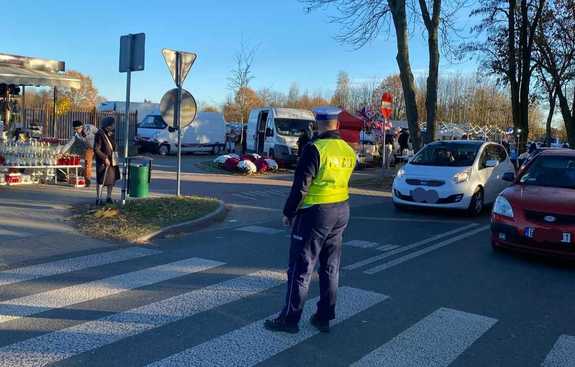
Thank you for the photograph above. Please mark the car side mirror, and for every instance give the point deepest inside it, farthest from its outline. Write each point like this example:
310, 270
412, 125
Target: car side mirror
171, 129
491, 163
269, 132
508, 176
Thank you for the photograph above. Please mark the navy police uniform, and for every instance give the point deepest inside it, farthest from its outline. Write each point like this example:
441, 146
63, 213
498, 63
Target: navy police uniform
319, 212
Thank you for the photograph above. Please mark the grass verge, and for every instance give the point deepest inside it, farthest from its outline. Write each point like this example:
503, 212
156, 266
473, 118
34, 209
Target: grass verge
140, 217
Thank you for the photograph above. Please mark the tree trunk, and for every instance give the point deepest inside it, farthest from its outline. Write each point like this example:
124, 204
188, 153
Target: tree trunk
432, 85
552, 101
568, 117
407, 81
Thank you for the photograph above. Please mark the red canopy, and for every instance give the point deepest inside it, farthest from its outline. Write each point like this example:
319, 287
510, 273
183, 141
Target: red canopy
350, 127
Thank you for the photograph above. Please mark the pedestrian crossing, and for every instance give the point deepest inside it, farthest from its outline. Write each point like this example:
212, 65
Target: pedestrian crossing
437, 339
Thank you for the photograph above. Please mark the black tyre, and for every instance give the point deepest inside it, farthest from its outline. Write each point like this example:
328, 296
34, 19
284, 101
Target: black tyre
477, 203
164, 150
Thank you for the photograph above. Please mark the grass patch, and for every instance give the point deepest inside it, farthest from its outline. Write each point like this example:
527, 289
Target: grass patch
140, 217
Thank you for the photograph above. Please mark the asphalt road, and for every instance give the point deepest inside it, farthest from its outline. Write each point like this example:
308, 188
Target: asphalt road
417, 289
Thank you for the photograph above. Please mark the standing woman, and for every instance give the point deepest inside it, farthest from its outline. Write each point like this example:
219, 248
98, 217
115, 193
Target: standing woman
107, 169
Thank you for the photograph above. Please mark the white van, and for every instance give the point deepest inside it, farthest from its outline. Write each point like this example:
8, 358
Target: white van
274, 132
207, 133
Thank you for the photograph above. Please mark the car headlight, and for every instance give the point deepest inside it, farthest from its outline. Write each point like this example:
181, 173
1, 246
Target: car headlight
502, 207
400, 173
461, 177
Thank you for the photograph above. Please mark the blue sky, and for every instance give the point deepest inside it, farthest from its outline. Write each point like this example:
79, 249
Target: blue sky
293, 46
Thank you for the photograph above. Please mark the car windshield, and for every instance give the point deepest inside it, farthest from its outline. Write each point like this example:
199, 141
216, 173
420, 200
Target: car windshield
292, 127
551, 172
447, 154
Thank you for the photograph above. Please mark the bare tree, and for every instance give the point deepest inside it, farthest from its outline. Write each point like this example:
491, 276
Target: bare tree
556, 57
342, 95
240, 79
508, 50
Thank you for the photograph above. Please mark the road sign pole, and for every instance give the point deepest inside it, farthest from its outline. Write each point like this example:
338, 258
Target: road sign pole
177, 121
127, 127
384, 150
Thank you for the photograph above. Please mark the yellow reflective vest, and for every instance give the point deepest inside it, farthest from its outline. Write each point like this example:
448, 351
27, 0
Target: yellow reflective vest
336, 163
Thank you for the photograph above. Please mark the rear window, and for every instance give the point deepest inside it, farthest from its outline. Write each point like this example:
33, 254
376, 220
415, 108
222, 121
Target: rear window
550, 171
447, 154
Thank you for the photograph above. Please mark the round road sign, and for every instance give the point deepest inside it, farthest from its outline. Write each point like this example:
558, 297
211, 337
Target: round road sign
188, 107
386, 105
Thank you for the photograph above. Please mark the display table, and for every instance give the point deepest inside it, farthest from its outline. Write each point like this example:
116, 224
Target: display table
47, 169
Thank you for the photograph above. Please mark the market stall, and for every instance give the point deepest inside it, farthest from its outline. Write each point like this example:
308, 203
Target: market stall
27, 157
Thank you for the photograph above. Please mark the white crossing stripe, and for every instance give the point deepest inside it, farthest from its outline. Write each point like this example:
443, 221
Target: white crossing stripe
7, 233
387, 248
32, 272
435, 341
253, 344
243, 196
260, 230
66, 343
562, 354
58, 298
360, 244
400, 260
377, 258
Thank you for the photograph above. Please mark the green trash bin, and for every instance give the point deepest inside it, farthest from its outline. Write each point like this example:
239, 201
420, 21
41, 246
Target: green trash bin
139, 177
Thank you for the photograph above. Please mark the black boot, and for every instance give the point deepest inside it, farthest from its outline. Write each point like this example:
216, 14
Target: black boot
279, 324
322, 326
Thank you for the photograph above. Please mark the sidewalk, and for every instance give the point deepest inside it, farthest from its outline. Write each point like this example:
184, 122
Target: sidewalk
33, 226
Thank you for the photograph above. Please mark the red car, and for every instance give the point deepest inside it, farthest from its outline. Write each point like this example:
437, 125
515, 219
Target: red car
537, 213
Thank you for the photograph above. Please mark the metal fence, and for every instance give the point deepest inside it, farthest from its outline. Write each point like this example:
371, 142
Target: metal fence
60, 126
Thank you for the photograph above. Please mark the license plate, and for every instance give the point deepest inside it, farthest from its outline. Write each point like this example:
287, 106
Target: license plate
425, 196
541, 235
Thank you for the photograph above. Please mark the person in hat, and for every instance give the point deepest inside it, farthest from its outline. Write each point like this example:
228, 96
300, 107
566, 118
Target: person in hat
318, 212
107, 169
84, 134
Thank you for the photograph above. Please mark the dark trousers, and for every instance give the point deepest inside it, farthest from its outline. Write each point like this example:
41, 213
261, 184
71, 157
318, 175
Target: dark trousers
317, 235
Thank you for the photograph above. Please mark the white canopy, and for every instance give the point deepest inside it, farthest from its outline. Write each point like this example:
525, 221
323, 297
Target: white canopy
20, 76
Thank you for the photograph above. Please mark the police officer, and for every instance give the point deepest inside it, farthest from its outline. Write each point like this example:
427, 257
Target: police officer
318, 212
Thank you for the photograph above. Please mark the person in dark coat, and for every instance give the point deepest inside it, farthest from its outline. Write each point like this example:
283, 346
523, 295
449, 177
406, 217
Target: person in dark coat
303, 140
403, 141
107, 169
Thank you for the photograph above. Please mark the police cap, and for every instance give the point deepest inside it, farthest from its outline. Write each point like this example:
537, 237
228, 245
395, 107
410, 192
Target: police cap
326, 113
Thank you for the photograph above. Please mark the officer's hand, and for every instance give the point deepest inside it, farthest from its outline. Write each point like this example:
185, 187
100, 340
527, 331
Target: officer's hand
287, 221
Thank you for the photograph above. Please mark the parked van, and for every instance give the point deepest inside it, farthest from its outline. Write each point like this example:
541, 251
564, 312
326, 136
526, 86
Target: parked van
207, 133
274, 132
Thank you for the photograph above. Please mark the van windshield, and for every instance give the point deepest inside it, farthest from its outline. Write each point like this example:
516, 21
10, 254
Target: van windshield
447, 154
293, 127
152, 122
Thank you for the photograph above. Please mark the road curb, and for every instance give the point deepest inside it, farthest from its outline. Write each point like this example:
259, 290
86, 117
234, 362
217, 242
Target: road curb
185, 227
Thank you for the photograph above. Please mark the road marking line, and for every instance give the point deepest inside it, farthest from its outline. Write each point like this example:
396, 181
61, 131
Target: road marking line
243, 196
360, 244
562, 354
402, 249
413, 255
387, 247
260, 230
26, 306
66, 343
7, 233
31, 272
411, 220
253, 344
435, 341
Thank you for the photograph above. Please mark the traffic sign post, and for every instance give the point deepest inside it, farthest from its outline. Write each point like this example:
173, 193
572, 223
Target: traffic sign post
132, 58
179, 63
385, 109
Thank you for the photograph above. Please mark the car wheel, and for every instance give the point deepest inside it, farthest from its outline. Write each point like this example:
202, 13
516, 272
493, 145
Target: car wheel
477, 203
217, 149
164, 150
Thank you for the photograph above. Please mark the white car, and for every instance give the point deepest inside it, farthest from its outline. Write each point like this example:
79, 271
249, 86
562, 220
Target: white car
453, 175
